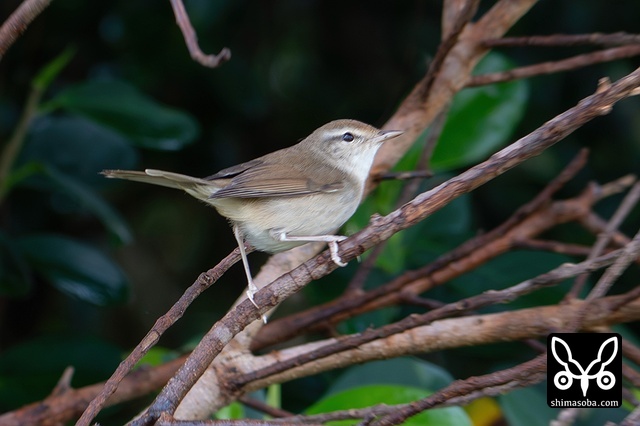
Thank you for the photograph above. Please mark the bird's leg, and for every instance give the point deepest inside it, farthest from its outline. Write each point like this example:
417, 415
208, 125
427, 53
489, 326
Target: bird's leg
332, 240
251, 288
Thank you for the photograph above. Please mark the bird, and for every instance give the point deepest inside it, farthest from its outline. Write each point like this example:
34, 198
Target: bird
289, 197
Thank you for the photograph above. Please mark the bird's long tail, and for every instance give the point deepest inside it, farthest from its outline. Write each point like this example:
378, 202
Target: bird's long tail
197, 187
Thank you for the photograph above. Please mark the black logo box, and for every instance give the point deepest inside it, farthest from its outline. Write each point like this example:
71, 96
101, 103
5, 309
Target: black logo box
579, 363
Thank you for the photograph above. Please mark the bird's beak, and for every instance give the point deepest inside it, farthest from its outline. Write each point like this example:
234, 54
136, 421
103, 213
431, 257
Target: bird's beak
384, 135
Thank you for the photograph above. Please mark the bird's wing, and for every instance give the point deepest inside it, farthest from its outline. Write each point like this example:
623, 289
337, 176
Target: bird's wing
232, 171
263, 179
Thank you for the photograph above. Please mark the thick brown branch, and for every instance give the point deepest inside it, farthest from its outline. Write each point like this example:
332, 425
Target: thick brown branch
533, 323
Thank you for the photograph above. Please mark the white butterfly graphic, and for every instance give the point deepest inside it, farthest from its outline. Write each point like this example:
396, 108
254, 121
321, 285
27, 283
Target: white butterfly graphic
564, 379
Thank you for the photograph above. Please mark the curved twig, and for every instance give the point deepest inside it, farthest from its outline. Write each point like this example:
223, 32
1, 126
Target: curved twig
182, 19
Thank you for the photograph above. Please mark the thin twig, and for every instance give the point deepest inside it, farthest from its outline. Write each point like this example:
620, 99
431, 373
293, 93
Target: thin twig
463, 18
461, 392
167, 420
553, 246
630, 351
64, 383
555, 40
596, 225
630, 253
633, 419
411, 190
605, 237
163, 323
265, 408
551, 67
566, 417
631, 375
18, 22
525, 374
414, 174
190, 37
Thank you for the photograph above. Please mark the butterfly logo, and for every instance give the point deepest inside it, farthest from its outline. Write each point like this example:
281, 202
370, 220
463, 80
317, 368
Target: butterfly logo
564, 379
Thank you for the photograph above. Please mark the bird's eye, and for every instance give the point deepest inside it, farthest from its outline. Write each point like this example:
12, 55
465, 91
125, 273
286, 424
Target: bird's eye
347, 137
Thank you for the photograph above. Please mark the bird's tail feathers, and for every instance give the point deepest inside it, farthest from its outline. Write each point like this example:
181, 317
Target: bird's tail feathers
167, 179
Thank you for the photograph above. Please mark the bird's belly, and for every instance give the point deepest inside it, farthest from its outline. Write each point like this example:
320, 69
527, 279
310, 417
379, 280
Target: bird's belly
259, 219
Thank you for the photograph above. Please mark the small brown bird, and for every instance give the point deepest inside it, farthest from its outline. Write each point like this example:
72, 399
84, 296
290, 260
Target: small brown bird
289, 197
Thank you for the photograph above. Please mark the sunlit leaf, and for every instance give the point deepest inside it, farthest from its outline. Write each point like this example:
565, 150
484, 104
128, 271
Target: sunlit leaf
366, 396
481, 119
397, 371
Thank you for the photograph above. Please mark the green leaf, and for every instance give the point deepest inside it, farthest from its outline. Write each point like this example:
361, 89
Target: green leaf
481, 119
157, 356
76, 269
14, 271
405, 371
509, 269
526, 407
86, 198
121, 107
77, 147
274, 395
366, 396
441, 231
50, 71
235, 410
29, 370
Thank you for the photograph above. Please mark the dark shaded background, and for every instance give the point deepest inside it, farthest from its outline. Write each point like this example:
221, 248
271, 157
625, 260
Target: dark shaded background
295, 65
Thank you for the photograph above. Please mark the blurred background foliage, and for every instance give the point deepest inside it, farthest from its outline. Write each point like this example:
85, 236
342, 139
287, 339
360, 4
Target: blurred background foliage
87, 265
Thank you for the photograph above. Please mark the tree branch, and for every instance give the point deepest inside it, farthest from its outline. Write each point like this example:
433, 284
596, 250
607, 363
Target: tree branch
460, 307
528, 373
190, 37
161, 325
555, 40
572, 63
18, 22
605, 237
466, 331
